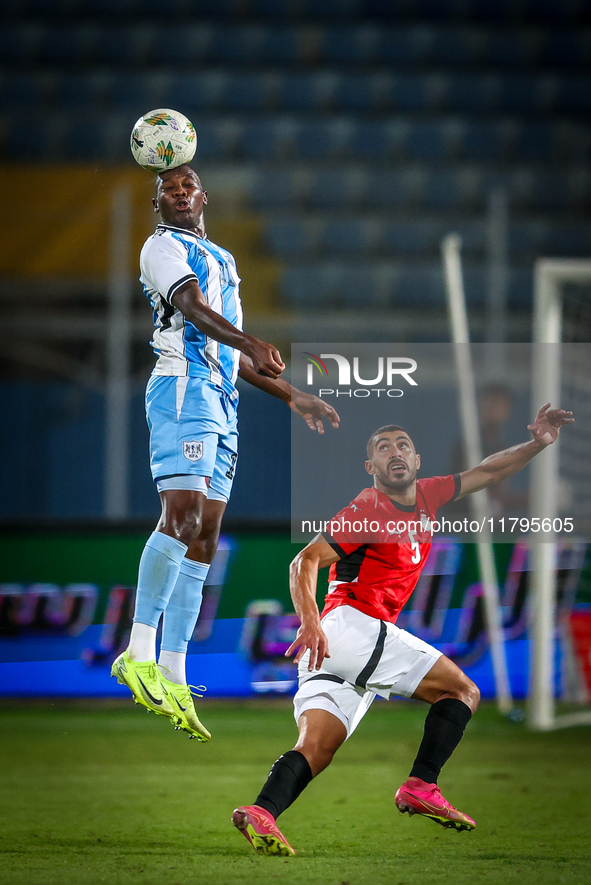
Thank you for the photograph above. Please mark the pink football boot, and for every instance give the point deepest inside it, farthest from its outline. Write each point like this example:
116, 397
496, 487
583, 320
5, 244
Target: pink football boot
417, 797
259, 827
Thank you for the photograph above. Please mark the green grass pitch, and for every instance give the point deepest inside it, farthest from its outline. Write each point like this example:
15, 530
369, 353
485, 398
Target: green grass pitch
104, 792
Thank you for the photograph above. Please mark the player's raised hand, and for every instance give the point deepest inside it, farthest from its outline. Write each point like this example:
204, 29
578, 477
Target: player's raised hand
266, 359
313, 410
311, 638
546, 427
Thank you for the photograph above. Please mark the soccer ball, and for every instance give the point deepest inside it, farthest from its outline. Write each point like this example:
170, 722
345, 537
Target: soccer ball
163, 139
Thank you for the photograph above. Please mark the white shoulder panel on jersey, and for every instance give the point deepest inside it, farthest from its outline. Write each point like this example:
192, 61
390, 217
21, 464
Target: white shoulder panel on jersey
163, 264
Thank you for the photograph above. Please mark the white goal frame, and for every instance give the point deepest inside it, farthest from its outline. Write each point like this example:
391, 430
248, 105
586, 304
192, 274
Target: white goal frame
550, 274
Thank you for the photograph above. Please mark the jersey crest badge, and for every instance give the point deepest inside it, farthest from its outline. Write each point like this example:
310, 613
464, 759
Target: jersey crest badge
192, 450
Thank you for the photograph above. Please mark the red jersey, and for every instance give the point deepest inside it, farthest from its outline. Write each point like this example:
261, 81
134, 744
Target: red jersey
383, 547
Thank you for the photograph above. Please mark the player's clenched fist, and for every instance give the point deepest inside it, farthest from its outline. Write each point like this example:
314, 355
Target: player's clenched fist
266, 359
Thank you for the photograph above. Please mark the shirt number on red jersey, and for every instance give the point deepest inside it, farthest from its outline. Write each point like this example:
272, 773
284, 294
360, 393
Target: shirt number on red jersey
416, 550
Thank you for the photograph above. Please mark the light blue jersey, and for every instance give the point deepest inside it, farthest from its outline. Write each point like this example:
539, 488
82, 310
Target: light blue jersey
169, 258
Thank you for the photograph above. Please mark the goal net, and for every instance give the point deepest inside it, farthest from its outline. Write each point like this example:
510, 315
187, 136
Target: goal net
560, 630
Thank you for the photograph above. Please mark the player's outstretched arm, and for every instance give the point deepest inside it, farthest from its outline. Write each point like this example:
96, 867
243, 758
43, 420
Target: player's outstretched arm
303, 576
312, 409
545, 430
265, 358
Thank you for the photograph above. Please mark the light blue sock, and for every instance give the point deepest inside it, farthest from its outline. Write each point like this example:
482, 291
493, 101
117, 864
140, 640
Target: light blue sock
183, 606
159, 568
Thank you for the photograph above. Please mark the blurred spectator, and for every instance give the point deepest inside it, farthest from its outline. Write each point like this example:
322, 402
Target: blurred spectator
495, 405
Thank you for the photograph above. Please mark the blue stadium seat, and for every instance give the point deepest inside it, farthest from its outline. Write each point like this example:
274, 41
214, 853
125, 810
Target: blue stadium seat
87, 137
118, 46
420, 286
357, 92
319, 139
411, 92
274, 188
213, 140
412, 237
346, 237
563, 49
453, 46
535, 141
490, 10
446, 188
507, 48
529, 236
329, 9
435, 9
305, 285
355, 285
404, 45
271, 8
473, 92
245, 91
179, 44
235, 44
43, 147
66, 44
482, 141
476, 279
219, 9
550, 11
569, 240
36, 7
329, 284
288, 237
266, 138
552, 191
281, 45
82, 91
428, 140
524, 92
347, 44
371, 140
389, 188
332, 189
472, 230
18, 43
300, 90
574, 94
203, 90
520, 294
22, 90
135, 91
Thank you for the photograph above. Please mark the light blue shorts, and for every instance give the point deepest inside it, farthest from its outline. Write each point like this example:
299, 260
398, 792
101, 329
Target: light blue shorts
193, 435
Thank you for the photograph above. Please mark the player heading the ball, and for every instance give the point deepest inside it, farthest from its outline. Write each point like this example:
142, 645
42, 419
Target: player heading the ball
191, 407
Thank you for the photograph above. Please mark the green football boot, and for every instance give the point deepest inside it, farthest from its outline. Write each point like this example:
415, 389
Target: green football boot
184, 717
143, 680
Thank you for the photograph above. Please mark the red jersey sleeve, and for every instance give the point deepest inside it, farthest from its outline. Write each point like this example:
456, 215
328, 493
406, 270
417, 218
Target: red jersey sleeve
345, 532
438, 491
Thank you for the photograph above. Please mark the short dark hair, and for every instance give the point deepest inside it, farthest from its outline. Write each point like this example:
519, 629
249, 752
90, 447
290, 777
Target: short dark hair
387, 428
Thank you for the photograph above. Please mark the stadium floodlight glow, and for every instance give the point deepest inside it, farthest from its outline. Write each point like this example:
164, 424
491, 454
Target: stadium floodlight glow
550, 276
480, 501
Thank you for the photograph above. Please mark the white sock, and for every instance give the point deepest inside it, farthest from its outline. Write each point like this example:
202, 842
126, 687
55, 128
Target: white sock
172, 665
142, 642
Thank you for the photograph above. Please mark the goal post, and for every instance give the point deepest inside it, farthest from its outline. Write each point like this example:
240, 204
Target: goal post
550, 277
479, 502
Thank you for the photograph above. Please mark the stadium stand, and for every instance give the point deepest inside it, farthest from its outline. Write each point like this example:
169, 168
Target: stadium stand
353, 133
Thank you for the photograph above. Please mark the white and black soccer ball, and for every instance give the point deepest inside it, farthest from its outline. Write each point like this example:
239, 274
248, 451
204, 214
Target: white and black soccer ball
163, 139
